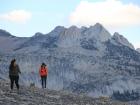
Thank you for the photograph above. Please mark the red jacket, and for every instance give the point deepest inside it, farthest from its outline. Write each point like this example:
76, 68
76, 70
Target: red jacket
43, 71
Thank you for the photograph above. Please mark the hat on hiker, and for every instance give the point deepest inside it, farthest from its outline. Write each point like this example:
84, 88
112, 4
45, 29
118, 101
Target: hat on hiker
43, 64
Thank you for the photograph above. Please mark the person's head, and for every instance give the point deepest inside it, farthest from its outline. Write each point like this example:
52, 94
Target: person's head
43, 65
13, 63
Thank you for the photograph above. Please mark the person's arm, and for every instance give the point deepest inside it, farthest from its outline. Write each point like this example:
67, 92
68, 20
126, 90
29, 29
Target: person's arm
18, 69
9, 70
47, 70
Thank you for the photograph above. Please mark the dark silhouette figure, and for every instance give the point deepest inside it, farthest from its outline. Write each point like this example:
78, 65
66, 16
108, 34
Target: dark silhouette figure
14, 74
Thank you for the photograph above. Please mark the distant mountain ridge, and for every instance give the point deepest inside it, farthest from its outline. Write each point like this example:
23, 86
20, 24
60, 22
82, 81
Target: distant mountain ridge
83, 60
4, 33
68, 37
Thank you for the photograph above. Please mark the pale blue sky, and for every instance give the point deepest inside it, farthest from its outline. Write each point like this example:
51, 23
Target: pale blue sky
47, 14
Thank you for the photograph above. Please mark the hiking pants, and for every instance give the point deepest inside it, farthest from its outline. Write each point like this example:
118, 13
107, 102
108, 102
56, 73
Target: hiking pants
14, 79
44, 81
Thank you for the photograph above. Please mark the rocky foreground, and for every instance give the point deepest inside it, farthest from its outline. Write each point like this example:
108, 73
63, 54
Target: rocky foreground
36, 96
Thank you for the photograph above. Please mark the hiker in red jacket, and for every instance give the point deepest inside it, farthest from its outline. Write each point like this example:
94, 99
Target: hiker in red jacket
43, 71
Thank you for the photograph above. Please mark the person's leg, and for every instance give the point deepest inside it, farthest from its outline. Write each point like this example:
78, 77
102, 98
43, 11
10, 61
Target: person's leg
12, 82
42, 81
45, 80
16, 81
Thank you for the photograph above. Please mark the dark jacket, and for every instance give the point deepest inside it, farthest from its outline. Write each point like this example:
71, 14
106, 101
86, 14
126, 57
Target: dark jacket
14, 71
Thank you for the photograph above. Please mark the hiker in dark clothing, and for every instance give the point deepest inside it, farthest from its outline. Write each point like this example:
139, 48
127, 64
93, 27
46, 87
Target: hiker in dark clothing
43, 71
14, 74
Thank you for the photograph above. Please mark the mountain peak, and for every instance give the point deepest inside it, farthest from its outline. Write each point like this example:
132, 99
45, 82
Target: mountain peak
57, 31
59, 28
98, 25
99, 32
73, 27
38, 34
122, 40
4, 33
